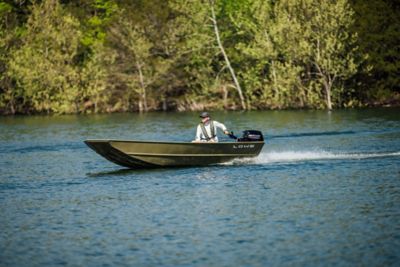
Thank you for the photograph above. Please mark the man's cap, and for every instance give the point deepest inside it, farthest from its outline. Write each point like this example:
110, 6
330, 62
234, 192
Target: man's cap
204, 114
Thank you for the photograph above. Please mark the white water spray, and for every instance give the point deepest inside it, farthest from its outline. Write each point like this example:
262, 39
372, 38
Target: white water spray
300, 156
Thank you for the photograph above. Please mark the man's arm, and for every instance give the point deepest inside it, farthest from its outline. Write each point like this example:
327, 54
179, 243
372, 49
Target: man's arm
221, 126
198, 133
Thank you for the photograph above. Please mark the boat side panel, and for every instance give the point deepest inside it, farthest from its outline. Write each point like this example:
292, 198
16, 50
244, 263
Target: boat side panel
183, 160
239, 148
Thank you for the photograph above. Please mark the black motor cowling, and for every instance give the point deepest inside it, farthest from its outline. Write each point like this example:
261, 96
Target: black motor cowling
251, 136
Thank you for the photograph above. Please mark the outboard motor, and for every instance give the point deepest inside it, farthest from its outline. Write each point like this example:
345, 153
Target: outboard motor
251, 136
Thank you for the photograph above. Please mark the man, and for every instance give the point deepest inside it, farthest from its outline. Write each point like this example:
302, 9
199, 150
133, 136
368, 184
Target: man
207, 129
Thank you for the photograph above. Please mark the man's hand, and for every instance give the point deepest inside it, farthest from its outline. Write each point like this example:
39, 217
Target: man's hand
226, 132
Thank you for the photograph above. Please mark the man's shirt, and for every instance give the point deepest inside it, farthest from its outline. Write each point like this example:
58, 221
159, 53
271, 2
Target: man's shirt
201, 137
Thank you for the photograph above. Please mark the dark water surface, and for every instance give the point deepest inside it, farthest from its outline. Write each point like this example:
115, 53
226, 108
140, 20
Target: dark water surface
325, 191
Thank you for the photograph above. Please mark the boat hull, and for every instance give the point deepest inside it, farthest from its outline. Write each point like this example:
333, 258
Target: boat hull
145, 154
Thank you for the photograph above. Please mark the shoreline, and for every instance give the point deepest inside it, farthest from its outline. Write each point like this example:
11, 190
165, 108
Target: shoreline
374, 105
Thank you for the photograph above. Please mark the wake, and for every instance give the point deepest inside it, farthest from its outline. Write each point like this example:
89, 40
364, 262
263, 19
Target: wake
300, 156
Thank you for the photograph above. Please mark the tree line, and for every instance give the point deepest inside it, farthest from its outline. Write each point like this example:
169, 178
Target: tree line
92, 56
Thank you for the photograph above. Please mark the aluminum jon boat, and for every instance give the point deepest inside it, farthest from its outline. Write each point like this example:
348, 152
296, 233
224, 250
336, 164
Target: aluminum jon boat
153, 154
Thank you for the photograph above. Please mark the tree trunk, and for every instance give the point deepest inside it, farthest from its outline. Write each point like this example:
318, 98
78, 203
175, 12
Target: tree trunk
12, 108
328, 94
164, 104
96, 100
228, 63
12, 100
140, 104
275, 87
327, 82
225, 96
143, 100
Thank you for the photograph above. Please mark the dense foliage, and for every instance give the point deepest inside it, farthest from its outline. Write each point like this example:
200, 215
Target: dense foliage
89, 56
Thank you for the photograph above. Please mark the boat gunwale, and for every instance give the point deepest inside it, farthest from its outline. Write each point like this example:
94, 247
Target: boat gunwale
171, 142
186, 155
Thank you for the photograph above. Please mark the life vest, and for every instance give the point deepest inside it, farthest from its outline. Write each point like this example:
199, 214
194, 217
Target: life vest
212, 128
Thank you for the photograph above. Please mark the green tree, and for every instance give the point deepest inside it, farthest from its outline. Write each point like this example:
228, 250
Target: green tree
7, 94
377, 25
194, 45
312, 43
13, 16
95, 75
333, 49
43, 67
134, 66
224, 53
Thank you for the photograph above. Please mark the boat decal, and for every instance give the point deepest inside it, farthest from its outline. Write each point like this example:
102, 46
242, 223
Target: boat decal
242, 146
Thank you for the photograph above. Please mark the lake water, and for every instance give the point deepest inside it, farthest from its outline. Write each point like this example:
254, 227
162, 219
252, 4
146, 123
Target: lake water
325, 191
